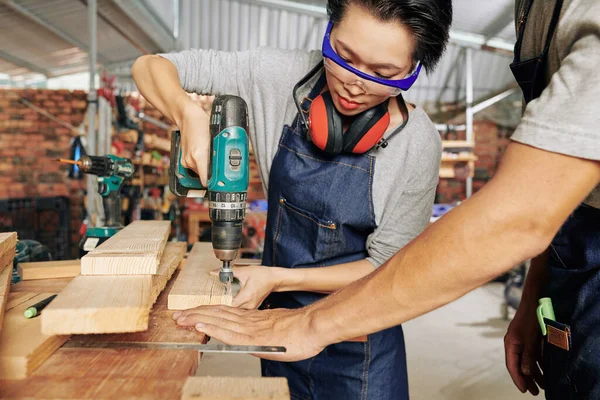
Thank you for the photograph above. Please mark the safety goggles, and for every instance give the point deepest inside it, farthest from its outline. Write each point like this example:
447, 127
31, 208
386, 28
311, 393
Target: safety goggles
369, 83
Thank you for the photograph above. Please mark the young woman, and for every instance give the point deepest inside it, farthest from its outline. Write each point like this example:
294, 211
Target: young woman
350, 168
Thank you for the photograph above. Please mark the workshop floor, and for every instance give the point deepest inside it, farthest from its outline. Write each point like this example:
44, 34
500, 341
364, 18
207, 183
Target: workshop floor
454, 353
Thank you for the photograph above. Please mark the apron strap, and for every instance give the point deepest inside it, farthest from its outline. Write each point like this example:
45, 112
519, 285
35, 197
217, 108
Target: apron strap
304, 106
549, 35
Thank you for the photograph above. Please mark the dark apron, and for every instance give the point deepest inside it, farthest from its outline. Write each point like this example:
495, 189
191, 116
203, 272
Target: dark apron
573, 264
320, 214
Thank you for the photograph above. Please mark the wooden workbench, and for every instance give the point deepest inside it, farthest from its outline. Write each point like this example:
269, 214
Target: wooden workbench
111, 373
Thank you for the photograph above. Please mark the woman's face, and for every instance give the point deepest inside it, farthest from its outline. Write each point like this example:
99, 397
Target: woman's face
381, 49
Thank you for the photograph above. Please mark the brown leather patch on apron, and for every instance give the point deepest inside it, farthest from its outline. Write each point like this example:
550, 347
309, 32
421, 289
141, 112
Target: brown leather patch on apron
558, 337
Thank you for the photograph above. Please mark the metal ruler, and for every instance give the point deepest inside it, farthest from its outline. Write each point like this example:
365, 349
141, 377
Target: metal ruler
203, 348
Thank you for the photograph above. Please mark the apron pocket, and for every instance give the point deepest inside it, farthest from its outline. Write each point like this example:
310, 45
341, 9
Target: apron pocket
556, 361
303, 238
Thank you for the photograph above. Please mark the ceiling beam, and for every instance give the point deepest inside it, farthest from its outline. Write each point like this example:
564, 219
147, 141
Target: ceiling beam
52, 28
151, 24
23, 63
507, 17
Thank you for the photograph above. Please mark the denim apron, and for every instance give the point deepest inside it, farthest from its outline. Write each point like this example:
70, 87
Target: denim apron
574, 268
320, 214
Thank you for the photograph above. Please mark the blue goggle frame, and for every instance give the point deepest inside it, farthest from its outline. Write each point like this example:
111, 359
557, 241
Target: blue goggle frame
403, 84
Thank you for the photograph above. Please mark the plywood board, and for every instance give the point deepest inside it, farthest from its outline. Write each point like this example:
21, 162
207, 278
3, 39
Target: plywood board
235, 388
110, 304
195, 286
136, 249
49, 269
23, 347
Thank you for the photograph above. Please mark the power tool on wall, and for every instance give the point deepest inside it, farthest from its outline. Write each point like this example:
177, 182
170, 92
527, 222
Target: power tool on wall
228, 175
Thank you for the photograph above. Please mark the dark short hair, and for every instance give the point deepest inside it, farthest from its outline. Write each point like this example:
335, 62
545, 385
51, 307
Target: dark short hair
428, 21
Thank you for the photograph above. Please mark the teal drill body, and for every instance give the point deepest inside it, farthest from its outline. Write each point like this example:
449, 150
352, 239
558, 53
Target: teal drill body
228, 176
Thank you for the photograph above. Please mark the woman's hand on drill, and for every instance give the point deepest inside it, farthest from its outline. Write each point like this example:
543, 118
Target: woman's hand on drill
257, 282
195, 138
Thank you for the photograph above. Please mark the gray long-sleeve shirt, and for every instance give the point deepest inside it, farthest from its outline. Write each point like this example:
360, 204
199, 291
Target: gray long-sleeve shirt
406, 172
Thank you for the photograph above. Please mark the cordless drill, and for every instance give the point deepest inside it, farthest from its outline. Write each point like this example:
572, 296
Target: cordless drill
112, 172
227, 177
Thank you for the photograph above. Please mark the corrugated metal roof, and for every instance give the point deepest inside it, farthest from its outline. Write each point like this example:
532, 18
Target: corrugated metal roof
127, 28
51, 37
232, 25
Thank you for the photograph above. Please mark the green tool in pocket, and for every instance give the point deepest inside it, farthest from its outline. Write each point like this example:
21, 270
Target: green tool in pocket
545, 310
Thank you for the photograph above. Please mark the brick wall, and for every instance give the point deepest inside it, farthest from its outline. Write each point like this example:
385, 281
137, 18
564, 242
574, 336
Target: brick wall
29, 141
490, 144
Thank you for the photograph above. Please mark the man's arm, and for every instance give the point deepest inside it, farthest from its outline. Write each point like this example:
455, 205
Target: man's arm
514, 217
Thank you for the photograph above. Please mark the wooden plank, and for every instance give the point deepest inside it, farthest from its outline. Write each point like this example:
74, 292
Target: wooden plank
235, 388
5, 278
107, 374
17, 298
49, 269
41, 286
104, 373
136, 249
195, 286
110, 304
8, 244
23, 347
162, 328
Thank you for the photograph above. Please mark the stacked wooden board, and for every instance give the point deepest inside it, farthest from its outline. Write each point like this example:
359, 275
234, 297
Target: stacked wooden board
136, 249
49, 269
8, 245
79, 372
119, 283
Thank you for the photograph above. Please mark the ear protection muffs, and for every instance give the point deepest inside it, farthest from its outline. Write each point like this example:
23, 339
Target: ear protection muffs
324, 126
327, 133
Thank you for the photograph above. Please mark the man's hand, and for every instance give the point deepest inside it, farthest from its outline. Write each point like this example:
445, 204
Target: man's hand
279, 327
522, 347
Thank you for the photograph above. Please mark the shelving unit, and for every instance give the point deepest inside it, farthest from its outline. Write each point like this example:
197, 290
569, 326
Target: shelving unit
461, 152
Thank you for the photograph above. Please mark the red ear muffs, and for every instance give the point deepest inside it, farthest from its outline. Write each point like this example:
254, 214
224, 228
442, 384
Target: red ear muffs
326, 127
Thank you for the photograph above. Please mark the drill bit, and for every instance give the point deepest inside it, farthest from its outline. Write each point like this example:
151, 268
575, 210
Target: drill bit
63, 160
226, 276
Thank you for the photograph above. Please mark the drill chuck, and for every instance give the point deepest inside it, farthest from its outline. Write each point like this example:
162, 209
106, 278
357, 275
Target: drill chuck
227, 211
96, 165
226, 273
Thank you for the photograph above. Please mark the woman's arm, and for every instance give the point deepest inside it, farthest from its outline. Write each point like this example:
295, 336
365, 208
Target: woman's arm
321, 280
257, 282
158, 81
165, 80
